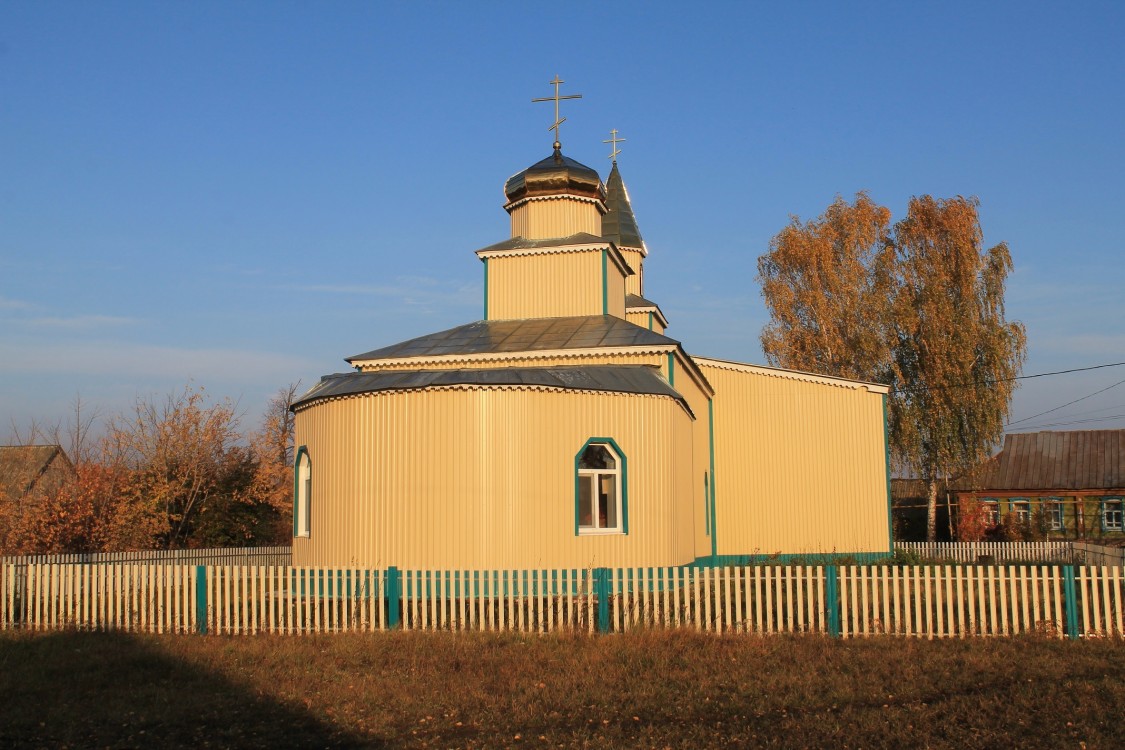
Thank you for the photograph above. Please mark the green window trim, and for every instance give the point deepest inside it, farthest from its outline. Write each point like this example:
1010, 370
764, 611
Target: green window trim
300, 508
711, 450
605, 282
672, 369
624, 482
706, 505
887, 468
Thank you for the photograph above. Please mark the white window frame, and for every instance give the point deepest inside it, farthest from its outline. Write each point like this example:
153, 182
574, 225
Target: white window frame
1021, 510
1117, 510
302, 494
594, 476
1056, 514
992, 506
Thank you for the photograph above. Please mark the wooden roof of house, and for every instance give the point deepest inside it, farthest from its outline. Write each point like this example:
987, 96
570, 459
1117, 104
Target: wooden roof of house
21, 466
1065, 460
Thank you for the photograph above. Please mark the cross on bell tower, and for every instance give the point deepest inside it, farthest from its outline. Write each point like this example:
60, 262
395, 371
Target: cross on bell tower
556, 99
614, 140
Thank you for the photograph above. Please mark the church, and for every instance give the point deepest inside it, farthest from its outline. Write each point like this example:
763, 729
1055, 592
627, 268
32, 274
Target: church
567, 429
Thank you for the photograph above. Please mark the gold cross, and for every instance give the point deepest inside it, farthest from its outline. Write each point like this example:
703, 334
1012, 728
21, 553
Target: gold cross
556, 98
614, 140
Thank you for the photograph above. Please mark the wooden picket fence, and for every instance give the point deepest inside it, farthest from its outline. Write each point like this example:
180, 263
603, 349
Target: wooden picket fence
941, 601
278, 555
1097, 554
997, 552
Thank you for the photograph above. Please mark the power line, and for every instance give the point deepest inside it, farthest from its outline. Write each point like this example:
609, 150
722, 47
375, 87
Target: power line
1069, 403
1075, 421
1004, 380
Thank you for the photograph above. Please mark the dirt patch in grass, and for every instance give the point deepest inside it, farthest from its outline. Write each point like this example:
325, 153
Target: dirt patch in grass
650, 689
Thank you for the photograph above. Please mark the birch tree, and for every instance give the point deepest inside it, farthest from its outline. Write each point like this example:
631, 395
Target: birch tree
919, 306
954, 355
825, 284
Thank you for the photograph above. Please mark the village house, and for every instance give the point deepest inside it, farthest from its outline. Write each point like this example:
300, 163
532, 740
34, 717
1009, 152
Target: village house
1066, 484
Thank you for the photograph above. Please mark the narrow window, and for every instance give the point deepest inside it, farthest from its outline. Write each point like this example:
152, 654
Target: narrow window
1022, 511
991, 511
1054, 512
600, 488
1113, 517
302, 492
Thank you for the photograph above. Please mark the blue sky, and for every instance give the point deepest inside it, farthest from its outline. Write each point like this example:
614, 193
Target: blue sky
239, 195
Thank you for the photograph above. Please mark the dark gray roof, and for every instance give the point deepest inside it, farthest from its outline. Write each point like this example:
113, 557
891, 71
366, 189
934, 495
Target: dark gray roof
619, 224
616, 378
1044, 461
536, 334
519, 243
635, 300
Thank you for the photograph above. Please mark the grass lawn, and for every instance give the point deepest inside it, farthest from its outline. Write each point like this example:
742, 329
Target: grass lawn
648, 689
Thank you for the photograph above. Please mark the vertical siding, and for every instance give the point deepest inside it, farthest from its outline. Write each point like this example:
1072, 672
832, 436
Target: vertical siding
541, 286
801, 466
484, 478
615, 290
634, 284
556, 217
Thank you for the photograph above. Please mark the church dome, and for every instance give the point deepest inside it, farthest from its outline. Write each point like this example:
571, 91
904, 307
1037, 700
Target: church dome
555, 175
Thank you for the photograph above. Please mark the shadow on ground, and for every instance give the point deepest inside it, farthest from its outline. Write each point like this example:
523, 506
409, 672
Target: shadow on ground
117, 690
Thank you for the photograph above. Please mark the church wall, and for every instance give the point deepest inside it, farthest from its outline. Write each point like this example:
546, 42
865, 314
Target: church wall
645, 320
484, 478
556, 217
546, 286
634, 284
800, 466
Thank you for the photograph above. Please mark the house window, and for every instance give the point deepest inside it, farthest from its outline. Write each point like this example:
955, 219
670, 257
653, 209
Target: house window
991, 511
600, 488
1021, 509
302, 492
1053, 510
1113, 518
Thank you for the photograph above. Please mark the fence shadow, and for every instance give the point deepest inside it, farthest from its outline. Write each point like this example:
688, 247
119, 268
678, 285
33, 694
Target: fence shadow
73, 689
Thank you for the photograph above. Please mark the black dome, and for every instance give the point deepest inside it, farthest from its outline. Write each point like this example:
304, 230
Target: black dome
555, 175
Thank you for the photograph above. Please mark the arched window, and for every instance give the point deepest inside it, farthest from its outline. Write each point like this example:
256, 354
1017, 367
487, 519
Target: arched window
302, 492
600, 488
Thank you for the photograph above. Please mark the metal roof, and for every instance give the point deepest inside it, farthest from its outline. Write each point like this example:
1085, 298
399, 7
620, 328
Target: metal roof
520, 243
636, 301
619, 224
536, 334
555, 175
1064, 460
638, 379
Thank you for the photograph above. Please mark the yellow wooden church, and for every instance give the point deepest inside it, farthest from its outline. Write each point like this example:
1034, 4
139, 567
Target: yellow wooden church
567, 429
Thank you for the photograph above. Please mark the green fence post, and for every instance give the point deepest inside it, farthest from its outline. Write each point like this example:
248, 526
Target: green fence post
201, 599
1071, 602
393, 589
602, 592
832, 599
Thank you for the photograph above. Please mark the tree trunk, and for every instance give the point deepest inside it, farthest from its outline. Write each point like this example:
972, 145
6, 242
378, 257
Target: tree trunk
931, 510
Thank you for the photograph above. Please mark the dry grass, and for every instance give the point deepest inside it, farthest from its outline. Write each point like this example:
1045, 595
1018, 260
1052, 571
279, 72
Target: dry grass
642, 690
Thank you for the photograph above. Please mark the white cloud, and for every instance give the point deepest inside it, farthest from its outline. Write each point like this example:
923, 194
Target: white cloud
13, 304
425, 294
133, 361
82, 322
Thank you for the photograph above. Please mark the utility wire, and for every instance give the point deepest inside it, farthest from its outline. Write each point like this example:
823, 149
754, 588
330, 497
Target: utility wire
1075, 421
1003, 380
1069, 403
